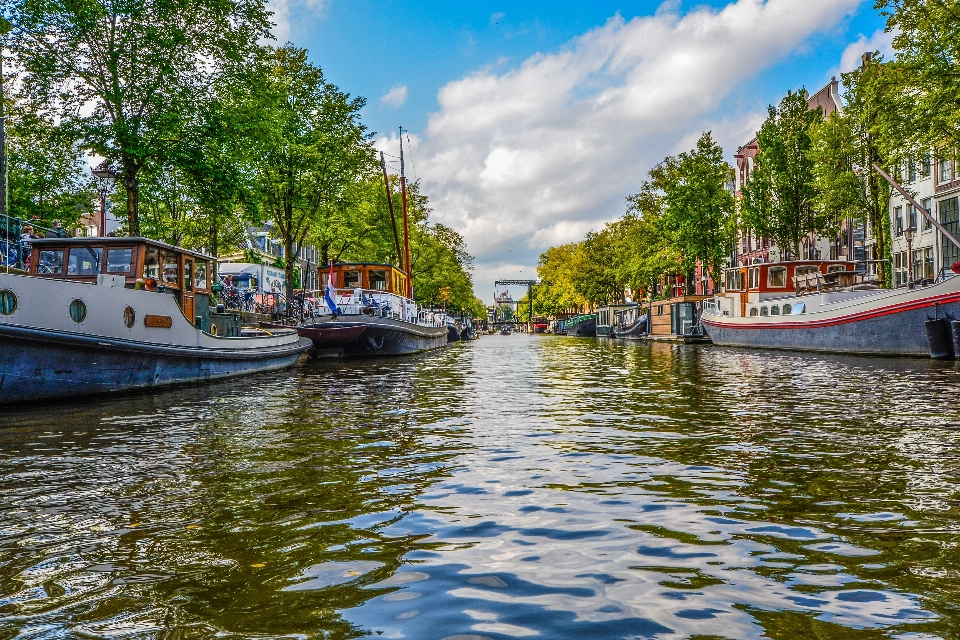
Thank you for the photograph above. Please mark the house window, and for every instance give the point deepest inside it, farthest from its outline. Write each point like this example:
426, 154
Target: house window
950, 219
927, 263
777, 277
911, 171
912, 215
898, 220
900, 266
927, 204
926, 166
944, 170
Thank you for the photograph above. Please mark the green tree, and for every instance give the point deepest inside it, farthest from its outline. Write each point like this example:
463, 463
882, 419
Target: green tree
594, 269
557, 293
310, 147
922, 84
125, 75
844, 148
778, 200
47, 177
698, 209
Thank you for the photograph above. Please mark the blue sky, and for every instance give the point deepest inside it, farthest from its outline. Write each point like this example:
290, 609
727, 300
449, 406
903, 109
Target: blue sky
509, 105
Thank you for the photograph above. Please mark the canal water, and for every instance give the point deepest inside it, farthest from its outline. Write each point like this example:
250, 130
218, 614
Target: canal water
515, 487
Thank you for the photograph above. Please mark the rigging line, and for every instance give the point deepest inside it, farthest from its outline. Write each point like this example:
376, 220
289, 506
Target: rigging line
410, 153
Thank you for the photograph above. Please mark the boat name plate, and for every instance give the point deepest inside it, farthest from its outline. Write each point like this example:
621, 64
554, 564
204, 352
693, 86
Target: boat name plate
158, 322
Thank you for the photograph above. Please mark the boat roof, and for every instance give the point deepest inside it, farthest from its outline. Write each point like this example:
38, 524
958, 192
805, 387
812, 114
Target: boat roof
107, 241
364, 264
784, 263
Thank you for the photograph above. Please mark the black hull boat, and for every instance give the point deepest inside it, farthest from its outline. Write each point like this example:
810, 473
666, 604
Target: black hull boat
634, 331
378, 336
582, 326
453, 334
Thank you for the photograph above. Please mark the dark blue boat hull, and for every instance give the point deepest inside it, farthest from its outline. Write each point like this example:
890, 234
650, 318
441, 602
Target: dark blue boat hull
37, 365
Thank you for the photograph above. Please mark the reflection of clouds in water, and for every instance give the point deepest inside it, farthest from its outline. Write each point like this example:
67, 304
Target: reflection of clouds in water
624, 529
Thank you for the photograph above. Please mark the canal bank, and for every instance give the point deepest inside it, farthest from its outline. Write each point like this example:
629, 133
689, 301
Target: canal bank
496, 489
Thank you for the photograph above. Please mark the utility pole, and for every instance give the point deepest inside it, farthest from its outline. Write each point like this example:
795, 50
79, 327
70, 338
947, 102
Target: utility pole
406, 226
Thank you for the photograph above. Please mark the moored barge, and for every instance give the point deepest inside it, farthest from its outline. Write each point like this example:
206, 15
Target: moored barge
97, 315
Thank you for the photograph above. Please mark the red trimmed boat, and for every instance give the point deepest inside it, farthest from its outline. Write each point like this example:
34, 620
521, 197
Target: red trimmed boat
827, 306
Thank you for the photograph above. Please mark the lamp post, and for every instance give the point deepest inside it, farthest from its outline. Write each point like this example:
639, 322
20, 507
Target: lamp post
908, 234
105, 173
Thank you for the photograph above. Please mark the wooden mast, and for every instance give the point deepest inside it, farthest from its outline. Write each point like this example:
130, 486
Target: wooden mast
393, 217
406, 227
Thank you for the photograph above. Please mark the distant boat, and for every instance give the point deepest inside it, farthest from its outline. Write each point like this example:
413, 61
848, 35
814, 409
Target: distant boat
98, 315
584, 326
374, 317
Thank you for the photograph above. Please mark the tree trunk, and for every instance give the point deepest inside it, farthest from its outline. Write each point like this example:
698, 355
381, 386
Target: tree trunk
131, 183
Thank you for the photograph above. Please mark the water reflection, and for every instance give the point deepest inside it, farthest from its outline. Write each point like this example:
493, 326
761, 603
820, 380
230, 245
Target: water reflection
521, 486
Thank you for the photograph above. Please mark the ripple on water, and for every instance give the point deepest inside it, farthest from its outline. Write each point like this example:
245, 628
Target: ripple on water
600, 490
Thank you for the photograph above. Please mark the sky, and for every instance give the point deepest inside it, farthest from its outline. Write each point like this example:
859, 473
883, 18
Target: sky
529, 123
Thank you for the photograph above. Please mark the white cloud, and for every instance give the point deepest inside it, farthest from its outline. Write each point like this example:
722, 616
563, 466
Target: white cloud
282, 30
395, 97
539, 154
880, 41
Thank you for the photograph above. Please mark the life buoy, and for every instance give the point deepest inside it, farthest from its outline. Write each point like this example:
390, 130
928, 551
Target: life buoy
955, 267
151, 284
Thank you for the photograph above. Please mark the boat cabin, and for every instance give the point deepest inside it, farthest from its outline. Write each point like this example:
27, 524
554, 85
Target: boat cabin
609, 316
370, 276
756, 282
677, 319
152, 265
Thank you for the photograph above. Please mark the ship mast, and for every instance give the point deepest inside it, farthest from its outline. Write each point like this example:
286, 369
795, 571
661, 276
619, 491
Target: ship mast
393, 218
406, 227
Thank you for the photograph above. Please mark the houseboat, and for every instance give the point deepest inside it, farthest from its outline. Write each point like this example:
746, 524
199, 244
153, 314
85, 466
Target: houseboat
826, 306
676, 319
631, 323
96, 315
582, 326
607, 318
372, 300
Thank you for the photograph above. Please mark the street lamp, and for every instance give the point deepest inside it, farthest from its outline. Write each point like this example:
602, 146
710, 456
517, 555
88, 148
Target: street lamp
105, 173
908, 235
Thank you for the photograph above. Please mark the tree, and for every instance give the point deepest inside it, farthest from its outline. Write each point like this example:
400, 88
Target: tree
124, 76
844, 148
46, 173
594, 269
557, 293
778, 200
310, 148
698, 209
922, 84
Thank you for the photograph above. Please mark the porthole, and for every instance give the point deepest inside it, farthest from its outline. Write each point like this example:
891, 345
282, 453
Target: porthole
129, 317
78, 310
8, 302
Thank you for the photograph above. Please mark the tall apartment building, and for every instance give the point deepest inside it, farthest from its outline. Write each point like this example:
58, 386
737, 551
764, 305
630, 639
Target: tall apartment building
936, 183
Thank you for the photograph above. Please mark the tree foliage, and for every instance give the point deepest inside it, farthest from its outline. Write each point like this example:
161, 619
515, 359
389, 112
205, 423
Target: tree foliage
126, 75
778, 199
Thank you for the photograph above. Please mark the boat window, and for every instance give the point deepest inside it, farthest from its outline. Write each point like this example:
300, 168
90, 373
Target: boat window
802, 271
171, 266
836, 267
129, 317
119, 260
151, 263
799, 308
200, 274
78, 310
753, 311
753, 276
764, 311
351, 279
733, 280
378, 279
188, 275
774, 310
84, 261
786, 309
8, 302
777, 277
50, 262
